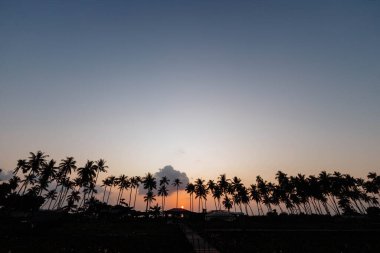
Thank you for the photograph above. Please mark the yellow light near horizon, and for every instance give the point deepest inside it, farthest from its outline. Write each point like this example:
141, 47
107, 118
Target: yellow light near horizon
182, 207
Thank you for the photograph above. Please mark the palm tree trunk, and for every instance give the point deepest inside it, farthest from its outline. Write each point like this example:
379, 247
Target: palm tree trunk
96, 180
109, 193
130, 197
134, 203
176, 205
104, 193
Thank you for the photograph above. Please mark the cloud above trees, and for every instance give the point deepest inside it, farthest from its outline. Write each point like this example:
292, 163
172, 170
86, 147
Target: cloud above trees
172, 174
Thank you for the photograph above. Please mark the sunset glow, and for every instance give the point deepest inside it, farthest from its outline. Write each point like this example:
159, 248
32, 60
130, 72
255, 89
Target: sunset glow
244, 88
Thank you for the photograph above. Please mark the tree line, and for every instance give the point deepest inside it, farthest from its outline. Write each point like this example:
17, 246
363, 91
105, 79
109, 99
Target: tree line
39, 182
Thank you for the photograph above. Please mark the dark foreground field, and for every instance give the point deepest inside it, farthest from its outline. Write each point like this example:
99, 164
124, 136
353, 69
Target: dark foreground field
70, 233
293, 234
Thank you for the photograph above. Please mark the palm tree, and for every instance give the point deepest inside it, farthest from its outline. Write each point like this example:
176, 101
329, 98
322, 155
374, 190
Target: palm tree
264, 189
211, 186
66, 167
163, 191
34, 166
71, 199
123, 183
112, 182
227, 202
255, 195
244, 197
217, 194
200, 192
136, 182
149, 198
87, 175
48, 173
100, 166
149, 183
51, 195
223, 183
105, 183
177, 182
190, 189
22, 165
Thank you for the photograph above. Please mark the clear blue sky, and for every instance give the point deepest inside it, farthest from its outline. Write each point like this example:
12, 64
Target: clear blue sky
209, 87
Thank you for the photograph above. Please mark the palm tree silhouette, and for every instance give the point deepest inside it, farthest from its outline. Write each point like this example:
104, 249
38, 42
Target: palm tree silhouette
112, 182
66, 167
190, 189
177, 182
48, 173
255, 195
123, 183
227, 202
200, 193
163, 191
87, 174
149, 198
149, 183
100, 166
211, 186
33, 166
136, 182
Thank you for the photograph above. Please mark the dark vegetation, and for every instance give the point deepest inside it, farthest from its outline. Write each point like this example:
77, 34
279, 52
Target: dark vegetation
294, 233
46, 232
53, 207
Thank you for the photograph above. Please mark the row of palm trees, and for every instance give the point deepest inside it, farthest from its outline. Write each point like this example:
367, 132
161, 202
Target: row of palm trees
60, 188
331, 194
65, 185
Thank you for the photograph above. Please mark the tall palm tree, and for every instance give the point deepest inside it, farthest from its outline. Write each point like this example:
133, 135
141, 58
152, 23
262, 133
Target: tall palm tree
87, 174
255, 195
264, 189
200, 192
149, 183
217, 194
123, 183
66, 167
100, 166
34, 166
190, 189
112, 182
227, 202
177, 182
105, 183
136, 182
163, 191
48, 173
22, 165
244, 197
49, 197
149, 198
223, 183
211, 186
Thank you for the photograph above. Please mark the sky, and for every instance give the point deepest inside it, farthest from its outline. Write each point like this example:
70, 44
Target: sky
244, 88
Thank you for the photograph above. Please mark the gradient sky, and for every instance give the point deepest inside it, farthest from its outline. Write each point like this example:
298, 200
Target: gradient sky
209, 87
